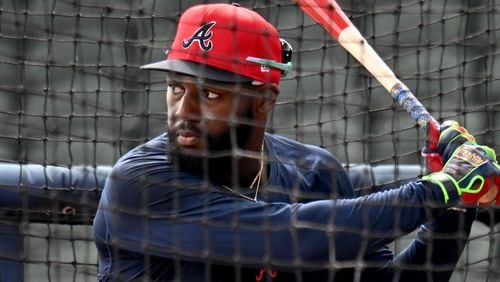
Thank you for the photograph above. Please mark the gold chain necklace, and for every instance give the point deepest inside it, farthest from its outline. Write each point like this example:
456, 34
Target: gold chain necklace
256, 181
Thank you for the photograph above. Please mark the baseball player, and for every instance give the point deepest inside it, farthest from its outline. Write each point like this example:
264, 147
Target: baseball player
216, 198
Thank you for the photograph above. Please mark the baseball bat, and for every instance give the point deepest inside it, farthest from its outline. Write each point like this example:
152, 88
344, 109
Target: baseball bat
331, 17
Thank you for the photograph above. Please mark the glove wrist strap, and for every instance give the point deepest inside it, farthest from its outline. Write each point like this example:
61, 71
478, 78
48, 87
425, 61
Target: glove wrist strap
446, 183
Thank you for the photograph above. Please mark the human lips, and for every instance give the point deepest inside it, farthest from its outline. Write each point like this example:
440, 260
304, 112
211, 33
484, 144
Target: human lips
187, 138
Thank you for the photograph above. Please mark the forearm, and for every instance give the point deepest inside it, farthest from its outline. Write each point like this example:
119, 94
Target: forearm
357, 227
42, 188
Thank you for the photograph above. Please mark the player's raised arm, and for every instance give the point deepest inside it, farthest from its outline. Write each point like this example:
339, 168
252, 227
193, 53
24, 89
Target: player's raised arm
185, 217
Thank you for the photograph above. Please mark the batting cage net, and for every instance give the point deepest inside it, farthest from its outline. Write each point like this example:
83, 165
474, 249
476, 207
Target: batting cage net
73, 100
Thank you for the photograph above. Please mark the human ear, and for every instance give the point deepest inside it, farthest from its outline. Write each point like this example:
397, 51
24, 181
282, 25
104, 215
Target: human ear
268, 94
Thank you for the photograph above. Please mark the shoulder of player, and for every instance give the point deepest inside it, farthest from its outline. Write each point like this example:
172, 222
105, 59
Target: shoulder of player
143, 159
152, 149
148, 164
286, 148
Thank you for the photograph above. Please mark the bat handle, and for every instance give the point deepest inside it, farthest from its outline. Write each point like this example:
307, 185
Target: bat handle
433, 160
419, 113
496, 182
412, 106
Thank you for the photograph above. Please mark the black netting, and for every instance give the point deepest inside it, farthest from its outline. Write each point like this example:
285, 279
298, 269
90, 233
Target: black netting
72, 95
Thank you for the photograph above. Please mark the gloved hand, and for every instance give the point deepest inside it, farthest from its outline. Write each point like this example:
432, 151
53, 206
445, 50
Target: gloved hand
451, 136
466, 172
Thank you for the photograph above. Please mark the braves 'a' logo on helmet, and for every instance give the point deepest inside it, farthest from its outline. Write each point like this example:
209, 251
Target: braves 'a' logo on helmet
202, 35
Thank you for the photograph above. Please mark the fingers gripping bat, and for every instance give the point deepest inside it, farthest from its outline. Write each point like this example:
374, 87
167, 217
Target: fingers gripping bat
331, 17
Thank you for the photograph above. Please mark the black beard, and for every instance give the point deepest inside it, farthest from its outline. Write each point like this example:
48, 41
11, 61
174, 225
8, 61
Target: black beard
218, 162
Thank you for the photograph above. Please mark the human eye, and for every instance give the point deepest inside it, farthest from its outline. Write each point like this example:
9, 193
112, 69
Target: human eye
176, 89
209, 94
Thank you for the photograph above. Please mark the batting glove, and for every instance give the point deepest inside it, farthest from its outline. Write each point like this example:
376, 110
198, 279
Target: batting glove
466, 172
452, 136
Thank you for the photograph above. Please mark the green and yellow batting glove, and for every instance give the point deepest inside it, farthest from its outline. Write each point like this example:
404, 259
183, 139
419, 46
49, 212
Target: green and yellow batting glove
468, 171
452, 136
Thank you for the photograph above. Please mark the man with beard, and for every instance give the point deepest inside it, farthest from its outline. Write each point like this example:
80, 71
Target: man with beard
216, 198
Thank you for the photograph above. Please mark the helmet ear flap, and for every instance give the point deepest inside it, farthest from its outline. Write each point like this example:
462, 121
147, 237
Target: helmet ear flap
286, 54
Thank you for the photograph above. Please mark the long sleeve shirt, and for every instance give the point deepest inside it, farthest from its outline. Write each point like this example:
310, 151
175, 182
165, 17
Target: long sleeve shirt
158, 222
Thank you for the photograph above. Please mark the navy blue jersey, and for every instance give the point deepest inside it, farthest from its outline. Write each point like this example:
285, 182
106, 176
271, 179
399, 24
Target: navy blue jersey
157, 222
